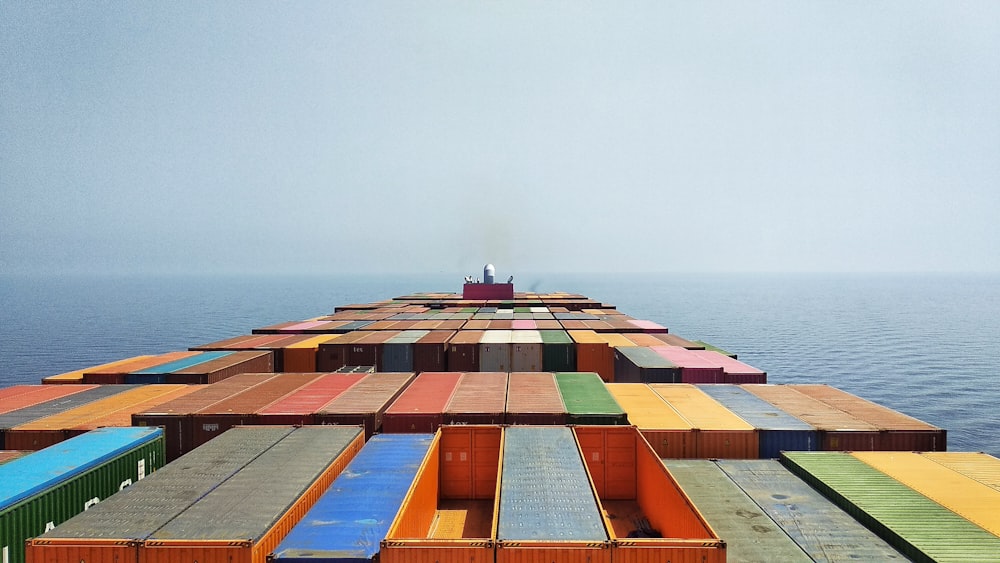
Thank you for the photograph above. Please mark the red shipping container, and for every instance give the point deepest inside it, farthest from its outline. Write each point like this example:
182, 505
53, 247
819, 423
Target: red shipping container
420, 408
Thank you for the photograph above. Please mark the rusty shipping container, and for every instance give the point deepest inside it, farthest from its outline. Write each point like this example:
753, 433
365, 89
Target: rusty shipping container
479, 398
365, 402
224, 367
533, 398
298, 406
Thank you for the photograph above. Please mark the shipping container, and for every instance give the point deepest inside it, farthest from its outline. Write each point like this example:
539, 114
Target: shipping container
693, 368
463, 351
51, 430
735, 370
301, 356
706, 346
533, 398
547, 510
298, 406
838, 431
976, 465
218, 369
239, 409
558, 351
243, 519
420, 407
898, 432
350, 520
719, 433
44, 489
593, 354
240, 343
495, 350
277, 348
970, 499
525, 351
635, 364
331, 356
646, 513
674, 340
587, 400
365, 402
776, 430
117, 374
158, 373
450, 512
667, 432
397, 352
918, 527
37, 411
430, 353
23, 396
479, 398
175, 416
750, 533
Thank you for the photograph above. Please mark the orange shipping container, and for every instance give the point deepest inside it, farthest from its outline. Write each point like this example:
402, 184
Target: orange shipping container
646, 512
301, 356
593, 354
450, 511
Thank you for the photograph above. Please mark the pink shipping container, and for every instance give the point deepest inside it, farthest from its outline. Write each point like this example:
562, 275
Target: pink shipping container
420, 408
298, 406
694, 368
648, 327
735, 370
523, 324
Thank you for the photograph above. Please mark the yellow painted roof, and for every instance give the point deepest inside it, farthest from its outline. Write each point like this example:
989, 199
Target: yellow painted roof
614, 339
586, 337
976, 465
315, 341
645, 408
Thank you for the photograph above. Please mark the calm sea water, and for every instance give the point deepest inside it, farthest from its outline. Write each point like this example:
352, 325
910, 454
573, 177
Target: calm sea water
925, 345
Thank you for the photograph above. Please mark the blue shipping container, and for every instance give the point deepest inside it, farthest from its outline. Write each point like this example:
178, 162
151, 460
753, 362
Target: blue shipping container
778, 430
157, 374
350, 520
545, 494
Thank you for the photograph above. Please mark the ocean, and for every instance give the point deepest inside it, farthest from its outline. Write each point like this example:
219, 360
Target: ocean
925, 345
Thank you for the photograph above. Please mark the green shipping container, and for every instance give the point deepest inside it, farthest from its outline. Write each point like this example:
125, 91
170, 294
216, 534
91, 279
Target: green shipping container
588, 401
41, 490
558, 351
920, 528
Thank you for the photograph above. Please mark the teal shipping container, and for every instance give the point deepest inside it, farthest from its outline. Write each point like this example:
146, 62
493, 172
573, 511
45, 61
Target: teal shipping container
44, 489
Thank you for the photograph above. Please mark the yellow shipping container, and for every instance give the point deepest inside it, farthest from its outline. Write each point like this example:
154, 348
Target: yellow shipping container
615, 339
720, 432
976, 465
300, 357
669, 433
965, 496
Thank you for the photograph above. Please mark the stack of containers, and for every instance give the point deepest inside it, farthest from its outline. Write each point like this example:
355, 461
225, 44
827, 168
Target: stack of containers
837, 429
238, 409
587, 400
479, 398
526, 350
917, 526
298, 406
175, 415
897, 432
776, 429
646, 513
48, 487
547, 508
558, 351
495, 350
300, 357
36, 410
50, 430
533, 398
718, 432
791, 520
420, 407
158, 373
367, 351
116, 374
667, 432
232, 500
450, 511
397, 352
365, 402
350, 520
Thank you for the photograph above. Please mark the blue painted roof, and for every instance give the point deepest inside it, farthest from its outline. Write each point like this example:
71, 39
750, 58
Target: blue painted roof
751, 408
354, 515
182, 363
36, 472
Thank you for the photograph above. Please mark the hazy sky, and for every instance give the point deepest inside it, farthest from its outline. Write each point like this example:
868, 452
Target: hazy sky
556, 136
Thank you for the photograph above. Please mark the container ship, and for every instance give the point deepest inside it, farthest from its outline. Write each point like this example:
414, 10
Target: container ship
483, 426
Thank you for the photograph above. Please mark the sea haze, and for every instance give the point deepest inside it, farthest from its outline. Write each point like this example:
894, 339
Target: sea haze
924, 345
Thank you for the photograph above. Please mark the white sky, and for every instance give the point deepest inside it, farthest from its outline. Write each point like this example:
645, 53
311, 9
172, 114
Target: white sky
558, 136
